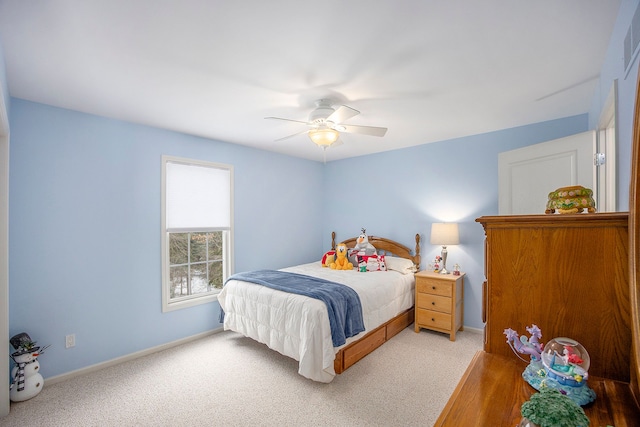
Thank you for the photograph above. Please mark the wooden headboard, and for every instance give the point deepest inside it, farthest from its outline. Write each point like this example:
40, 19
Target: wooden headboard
385, 246
634, 249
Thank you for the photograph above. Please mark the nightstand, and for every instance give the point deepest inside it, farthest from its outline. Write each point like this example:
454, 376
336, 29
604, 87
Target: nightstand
439, 302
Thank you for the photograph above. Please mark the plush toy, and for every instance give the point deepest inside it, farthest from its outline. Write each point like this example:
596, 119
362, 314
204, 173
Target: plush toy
328, 258
362, 248
362, 264
341, 262
382, 263
371, 263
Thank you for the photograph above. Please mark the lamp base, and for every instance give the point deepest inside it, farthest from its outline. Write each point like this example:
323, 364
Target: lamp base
443, 254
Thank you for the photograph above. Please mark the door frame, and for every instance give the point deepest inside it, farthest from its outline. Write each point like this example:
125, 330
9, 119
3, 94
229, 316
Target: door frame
607, 142
4, 257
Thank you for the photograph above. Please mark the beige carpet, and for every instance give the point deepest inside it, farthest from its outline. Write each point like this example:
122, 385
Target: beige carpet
226, 379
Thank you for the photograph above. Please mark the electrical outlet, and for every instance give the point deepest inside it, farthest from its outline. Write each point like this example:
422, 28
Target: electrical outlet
70, 341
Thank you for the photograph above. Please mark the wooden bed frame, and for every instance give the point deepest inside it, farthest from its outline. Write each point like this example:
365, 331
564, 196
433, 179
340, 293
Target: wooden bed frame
353, 352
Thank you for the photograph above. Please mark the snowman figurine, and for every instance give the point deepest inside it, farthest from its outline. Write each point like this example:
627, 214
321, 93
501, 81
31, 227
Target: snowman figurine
27, 380
363, 247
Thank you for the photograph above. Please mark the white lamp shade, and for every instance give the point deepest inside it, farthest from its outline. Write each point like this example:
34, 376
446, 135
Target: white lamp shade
444, 233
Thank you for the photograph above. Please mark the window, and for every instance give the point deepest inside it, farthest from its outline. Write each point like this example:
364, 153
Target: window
197, 212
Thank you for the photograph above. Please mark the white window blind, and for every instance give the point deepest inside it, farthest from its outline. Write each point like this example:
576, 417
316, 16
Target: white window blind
197, 197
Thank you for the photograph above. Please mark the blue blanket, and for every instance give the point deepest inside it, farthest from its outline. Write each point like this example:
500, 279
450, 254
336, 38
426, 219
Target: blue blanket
343, 303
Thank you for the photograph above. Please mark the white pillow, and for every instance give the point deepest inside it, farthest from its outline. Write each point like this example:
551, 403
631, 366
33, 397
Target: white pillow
402, 265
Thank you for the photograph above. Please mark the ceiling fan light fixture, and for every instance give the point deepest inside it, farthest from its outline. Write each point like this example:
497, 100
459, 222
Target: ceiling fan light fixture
324, 137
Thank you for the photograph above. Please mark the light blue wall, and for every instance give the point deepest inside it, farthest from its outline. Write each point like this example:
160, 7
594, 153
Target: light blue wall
398, 194
85, 229
612, 69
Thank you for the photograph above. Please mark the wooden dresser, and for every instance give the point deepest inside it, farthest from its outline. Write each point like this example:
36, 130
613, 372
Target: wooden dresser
568, 274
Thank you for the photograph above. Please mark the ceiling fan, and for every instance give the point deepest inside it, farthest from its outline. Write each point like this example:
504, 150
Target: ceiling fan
326, 122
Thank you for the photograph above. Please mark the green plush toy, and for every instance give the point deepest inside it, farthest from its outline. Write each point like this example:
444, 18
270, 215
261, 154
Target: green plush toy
550, 408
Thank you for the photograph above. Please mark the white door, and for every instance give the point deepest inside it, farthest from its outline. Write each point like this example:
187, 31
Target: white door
527, 175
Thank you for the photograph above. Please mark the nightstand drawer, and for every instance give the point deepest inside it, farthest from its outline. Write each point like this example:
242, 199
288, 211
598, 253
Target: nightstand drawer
434, 302
433, 319
435, 287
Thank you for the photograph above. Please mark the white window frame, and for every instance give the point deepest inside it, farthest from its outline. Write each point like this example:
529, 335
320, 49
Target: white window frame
169, 304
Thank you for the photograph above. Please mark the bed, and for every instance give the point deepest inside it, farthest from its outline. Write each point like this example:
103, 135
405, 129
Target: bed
298, 326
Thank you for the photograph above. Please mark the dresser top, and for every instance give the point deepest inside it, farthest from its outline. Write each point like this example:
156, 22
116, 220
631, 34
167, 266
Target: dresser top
559, 220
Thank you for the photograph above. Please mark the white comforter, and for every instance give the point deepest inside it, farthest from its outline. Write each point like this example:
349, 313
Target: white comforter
298, 326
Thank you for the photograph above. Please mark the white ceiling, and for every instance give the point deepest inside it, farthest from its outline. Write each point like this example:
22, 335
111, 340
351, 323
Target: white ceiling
428, 70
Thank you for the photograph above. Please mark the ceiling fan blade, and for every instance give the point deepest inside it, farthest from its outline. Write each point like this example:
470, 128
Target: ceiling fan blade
342, 114
286, 120
365, 130
290, 136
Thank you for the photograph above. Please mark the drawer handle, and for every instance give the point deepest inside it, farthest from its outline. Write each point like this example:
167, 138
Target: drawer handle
433, 303
433, 287
433, 320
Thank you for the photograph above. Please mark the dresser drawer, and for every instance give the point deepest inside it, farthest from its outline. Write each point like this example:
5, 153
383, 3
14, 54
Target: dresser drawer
435, 287
433, 319
357, 351
433, 302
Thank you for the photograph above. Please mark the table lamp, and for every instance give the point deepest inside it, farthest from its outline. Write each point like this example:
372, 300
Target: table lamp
444, 233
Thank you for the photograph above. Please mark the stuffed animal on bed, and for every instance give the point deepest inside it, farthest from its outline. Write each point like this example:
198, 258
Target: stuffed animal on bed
371, 263
328, 258
341, 262
362, 247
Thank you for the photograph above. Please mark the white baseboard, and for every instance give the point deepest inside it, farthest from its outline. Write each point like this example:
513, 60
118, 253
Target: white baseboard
474, 330
142, 353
